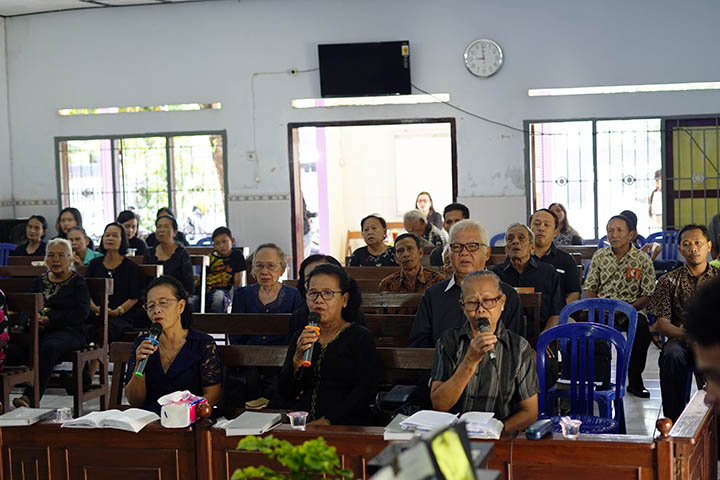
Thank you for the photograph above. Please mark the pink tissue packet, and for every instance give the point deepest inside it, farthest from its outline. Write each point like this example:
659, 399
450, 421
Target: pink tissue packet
179, 409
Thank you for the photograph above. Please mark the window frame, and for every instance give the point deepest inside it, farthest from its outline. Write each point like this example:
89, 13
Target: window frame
62, 170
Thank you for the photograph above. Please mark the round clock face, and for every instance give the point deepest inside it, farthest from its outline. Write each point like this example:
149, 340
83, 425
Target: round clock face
483, 57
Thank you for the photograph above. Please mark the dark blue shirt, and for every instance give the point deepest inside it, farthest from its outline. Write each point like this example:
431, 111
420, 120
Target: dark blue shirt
566, 267
540, 276
247, 300
196, 365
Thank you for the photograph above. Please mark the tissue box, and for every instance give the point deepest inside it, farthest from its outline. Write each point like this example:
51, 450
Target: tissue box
178, 409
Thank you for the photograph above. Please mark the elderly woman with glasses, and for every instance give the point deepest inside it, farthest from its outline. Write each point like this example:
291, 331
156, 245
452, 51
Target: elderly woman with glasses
268, 295
182, 359
339, 384
62, 320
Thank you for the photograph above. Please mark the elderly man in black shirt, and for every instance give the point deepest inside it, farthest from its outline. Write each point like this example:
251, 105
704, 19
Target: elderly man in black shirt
544, 225
452, 214
439, 309
488, 369
522, 270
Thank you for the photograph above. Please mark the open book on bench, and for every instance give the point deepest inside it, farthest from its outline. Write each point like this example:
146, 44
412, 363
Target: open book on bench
131, 420
477, 424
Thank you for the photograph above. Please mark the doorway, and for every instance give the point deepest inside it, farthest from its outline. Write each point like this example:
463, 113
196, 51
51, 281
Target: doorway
341, 172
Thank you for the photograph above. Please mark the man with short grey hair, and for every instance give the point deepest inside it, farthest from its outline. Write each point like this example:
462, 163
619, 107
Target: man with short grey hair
415, 222
439, 308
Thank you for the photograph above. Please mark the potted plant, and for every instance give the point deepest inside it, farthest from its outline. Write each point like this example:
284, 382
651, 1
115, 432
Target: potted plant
312, 459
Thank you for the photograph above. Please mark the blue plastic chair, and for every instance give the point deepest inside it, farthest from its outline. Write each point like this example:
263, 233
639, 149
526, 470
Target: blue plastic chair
602, 311
204, 242
5, 249
669, 241
496, 238
579, 339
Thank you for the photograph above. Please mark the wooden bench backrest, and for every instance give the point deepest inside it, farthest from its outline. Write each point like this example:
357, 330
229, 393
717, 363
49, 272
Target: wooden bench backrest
22, 307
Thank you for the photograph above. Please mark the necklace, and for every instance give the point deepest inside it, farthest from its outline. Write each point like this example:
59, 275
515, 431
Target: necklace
170, 357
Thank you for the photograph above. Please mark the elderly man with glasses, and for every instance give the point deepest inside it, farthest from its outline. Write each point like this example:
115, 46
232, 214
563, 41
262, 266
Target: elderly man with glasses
481, 365
440, 309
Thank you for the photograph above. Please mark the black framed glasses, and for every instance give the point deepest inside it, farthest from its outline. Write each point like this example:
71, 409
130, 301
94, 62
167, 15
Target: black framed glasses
470, 247
326, 295
487, 304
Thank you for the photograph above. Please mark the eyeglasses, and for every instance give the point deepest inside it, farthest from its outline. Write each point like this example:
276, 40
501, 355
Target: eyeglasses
327, 295
470, 247
263, 266
487, 304
163, 303
56, 255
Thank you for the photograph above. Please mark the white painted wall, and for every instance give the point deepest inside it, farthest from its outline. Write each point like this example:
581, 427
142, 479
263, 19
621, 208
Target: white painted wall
208, 51
6, 210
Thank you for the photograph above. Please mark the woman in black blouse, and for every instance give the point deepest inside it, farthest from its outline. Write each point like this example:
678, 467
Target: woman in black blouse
174, 258
35, 230
129, 220
127, 280
341, 383
62, 320
376, 253
152, 239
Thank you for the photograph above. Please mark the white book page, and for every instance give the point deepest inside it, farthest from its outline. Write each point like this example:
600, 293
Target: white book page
428, 420
91, 420
132, 419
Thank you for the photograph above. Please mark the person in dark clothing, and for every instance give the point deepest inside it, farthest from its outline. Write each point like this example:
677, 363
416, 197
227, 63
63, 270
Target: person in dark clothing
174, 258
35, 230
452, 214
375, 253
340, 384
62, 319
183, 358
439, 308
130, 221
152, 240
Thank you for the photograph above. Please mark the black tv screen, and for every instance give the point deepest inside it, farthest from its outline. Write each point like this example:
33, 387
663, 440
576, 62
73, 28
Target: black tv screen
364, 69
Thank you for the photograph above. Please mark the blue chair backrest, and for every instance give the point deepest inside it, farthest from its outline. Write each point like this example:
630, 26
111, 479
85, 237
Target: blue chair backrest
204, 242
497, 238
669, 241
580, 347
5, 249
602, 311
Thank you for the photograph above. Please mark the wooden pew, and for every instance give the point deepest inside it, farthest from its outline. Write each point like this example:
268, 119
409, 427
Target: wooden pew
99, 288
586, 251
695, 440
393, 359
201, 261
21, 307
17, 270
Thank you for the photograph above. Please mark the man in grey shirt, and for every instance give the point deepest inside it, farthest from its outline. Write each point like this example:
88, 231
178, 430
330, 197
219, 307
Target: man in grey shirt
489, 371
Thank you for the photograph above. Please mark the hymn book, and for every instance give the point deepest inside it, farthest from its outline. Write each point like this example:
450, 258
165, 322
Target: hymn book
25, 416
477, 424
252, 423
131, 420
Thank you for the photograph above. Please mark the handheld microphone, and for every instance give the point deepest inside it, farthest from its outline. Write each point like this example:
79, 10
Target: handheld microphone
483, 325
313, 320
155, 332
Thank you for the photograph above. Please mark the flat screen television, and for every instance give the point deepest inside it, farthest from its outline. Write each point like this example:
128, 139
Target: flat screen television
364, 69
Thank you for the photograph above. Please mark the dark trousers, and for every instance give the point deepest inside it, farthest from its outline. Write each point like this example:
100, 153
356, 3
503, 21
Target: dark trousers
676, 366
53, 345
638, 356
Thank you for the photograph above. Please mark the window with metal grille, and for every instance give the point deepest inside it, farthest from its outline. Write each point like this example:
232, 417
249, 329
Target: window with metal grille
101, 176
597, 169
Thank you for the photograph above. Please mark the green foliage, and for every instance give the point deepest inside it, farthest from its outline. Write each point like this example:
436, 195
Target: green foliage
309, 460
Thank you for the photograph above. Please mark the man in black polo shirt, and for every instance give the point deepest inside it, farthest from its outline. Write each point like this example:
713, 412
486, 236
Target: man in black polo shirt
544, 225
452, 214
440, 309
522, 269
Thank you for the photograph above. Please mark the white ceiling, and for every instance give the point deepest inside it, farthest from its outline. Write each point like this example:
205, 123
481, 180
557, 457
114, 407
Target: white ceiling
9, 8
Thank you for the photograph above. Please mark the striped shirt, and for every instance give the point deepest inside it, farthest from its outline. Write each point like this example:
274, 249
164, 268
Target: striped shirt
486, 392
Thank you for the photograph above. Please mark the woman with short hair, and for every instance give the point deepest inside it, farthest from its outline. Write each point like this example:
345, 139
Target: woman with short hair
61, 321
340, 384
375, 253
35, 231
183, 358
